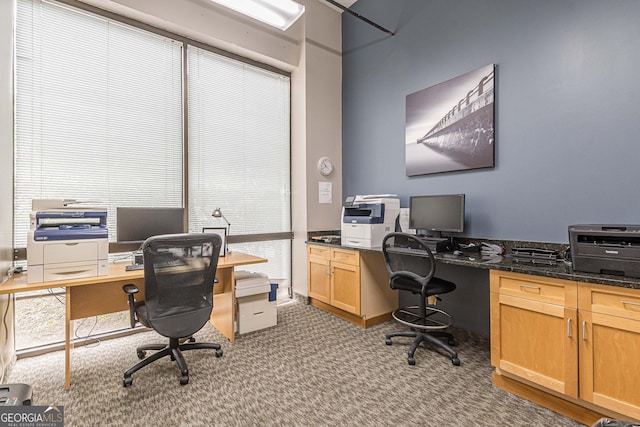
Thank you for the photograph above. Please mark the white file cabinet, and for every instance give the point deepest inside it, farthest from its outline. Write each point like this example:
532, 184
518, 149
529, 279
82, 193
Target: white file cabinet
255, 310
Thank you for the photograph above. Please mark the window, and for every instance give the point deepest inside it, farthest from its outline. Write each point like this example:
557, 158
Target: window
239, 152
99, 118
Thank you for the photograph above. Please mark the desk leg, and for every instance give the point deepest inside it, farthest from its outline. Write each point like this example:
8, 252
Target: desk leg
223, 314
68, 342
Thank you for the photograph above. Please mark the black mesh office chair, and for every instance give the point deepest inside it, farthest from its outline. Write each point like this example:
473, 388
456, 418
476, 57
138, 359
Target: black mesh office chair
411, 268
179, 271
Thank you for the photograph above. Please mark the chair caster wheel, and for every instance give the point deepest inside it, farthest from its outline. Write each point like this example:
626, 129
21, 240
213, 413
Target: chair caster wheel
184, 380
142, 354
127, 381
411, 361
455, 361
388, 341
219, 353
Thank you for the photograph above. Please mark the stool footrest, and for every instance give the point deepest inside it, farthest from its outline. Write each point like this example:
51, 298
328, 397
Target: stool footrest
435, 318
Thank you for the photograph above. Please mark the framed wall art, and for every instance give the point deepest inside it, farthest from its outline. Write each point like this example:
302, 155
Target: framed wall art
450, 126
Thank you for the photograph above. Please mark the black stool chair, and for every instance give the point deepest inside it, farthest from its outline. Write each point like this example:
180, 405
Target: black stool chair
411, 268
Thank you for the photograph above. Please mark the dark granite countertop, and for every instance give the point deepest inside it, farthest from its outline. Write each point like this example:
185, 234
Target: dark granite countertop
558, 270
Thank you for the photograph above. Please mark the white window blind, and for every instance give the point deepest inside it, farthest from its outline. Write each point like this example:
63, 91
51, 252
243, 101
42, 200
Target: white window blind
239, 152
98, 112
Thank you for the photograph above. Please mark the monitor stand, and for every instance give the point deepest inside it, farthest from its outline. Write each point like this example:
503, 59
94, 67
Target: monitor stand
430, 235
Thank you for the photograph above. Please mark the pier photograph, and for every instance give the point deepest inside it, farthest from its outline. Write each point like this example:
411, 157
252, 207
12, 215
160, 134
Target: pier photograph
450, 126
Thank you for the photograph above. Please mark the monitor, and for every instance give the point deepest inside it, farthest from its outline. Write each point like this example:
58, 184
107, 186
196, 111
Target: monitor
135, 225
437, 213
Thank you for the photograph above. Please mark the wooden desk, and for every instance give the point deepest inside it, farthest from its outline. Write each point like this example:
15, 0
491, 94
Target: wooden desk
92, 296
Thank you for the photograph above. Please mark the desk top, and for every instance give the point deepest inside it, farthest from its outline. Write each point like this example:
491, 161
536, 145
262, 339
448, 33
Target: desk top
117, 273
559, 270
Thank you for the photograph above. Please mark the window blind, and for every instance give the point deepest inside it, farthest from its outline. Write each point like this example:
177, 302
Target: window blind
98, 113
239, 152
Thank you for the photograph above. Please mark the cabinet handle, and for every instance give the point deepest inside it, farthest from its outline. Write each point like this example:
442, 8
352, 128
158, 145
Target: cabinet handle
522, 285
584, 330
630, 303
569, 327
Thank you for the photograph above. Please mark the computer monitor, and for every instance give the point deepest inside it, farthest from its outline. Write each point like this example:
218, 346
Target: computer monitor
437, 213
135, 225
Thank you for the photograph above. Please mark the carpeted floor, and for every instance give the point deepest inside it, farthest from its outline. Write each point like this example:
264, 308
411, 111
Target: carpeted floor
313, 369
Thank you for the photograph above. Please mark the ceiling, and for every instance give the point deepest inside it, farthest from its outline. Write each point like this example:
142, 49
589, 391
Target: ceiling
346, 3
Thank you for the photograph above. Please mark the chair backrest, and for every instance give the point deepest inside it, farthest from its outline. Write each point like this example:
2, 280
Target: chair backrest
408, 257
179, 271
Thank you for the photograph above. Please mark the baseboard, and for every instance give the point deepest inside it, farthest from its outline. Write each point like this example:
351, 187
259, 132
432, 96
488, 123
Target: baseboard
572, 410
301, 298
350, 317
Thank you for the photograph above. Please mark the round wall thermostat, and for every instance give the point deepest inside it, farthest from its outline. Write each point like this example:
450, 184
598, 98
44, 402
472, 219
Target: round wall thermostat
325, 166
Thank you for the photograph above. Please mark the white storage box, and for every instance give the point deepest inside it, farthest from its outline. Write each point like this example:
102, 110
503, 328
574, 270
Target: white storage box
256, 312
251, 283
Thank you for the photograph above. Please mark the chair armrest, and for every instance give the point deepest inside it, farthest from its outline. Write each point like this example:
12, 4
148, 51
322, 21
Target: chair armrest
131, 289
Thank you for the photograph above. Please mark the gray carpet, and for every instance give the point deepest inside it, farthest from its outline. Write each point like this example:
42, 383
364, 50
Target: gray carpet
312, 369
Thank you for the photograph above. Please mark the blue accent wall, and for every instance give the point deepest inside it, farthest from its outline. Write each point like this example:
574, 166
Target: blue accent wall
567, 107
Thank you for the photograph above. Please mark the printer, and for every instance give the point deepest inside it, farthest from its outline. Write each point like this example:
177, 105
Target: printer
66, 242
367, 219
606, 249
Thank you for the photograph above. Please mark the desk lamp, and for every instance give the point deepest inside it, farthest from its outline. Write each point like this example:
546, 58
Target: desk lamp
217, 213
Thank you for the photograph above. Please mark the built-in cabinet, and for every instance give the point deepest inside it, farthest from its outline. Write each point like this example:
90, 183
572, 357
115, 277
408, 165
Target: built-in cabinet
319, 273
350, 283
533, 329
609, 347
578, 341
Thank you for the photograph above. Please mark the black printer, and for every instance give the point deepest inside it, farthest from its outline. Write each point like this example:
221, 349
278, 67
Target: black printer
606, 249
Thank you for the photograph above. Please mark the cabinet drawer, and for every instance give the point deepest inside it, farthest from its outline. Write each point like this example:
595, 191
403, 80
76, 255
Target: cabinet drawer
318, 251
70, 252
537, 288
70, 271
345, 256
612, 300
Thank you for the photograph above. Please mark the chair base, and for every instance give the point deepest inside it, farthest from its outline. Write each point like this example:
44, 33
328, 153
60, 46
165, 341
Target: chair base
431, 337
174, 350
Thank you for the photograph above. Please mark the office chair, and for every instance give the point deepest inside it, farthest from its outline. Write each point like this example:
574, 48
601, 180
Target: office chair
411, 268
179, 272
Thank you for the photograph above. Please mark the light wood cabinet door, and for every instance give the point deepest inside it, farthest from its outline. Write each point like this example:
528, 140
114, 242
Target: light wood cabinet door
609, 348
345, 287
534, 330
319, 278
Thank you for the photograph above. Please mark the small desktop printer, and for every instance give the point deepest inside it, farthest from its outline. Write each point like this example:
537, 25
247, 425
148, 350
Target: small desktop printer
606, 249
67, 242
367, 219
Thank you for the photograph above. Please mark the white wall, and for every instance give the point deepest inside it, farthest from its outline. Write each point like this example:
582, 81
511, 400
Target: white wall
316, 131
215, 25
6, 174
323, 112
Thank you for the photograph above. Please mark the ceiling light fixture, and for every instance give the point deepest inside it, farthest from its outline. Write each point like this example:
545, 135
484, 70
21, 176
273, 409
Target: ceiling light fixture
277, 13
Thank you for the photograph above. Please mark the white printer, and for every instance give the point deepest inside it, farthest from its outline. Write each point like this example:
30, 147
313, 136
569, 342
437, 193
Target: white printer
66, 242
367, 219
